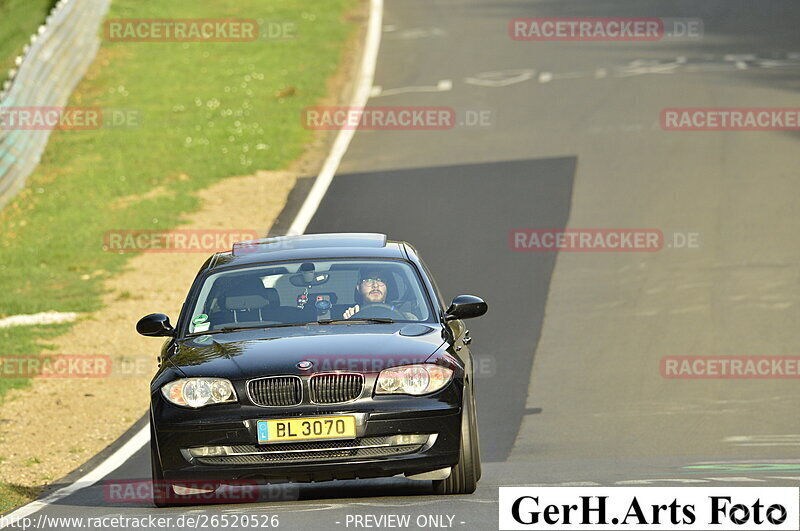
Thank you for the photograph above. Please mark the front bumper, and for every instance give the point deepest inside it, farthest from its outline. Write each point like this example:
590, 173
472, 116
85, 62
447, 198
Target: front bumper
382, 450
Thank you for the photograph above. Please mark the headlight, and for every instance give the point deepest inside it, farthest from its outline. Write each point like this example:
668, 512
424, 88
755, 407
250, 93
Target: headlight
199, 392
413, 379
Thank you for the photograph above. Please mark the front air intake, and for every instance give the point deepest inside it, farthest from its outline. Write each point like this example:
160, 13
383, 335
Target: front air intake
275, 391
336, 387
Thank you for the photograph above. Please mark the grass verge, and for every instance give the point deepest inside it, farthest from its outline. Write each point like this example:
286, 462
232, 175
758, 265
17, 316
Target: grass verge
206, 111
14, 495
19, 19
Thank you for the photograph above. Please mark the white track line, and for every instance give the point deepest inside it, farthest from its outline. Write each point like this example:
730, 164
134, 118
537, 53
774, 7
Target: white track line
343, 138
113, 462
142, 437
43, 318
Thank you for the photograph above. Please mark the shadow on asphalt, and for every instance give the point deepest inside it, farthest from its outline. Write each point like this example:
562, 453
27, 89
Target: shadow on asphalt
459, 217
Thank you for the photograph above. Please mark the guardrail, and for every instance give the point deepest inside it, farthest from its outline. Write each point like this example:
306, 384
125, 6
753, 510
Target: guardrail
45, 75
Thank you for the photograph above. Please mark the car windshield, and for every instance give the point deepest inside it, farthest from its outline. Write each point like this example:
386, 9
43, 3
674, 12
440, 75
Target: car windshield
311, 291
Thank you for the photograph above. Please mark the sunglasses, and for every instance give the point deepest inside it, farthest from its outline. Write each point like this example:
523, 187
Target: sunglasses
375, 280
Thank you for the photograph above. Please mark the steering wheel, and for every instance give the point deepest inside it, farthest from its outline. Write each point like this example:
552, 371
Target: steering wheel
377, 310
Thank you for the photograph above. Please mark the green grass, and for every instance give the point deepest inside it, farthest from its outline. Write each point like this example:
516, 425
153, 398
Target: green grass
23, 341
210, 111
14, 495
19, 19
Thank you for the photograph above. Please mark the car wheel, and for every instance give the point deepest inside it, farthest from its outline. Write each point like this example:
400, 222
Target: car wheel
476, 441
464, 476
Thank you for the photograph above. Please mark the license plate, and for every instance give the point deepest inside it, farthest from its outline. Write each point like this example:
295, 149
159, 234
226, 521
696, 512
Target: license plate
306, 428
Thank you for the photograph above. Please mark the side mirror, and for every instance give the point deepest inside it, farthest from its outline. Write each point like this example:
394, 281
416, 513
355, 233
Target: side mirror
155, 325
466, 307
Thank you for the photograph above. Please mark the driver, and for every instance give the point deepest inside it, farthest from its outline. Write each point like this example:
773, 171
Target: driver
372, 289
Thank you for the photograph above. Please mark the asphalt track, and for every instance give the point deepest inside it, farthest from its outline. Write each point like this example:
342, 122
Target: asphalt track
571, 390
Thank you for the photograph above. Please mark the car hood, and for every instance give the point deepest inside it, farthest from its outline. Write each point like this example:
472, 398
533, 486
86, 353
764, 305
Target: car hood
357, 347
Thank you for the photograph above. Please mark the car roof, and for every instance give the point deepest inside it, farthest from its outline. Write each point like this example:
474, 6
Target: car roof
310, 246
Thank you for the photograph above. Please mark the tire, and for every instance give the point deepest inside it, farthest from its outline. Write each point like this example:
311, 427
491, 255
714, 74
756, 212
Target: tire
464, 476
476, 441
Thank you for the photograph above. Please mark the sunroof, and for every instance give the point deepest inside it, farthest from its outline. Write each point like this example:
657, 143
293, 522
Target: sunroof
309, 241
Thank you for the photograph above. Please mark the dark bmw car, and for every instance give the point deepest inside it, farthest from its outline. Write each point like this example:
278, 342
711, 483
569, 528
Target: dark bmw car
313, 358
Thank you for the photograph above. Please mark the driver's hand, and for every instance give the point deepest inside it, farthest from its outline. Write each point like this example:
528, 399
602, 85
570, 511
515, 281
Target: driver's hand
348, 313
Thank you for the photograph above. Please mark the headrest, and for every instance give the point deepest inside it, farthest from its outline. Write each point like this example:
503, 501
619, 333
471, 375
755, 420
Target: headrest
245, 302
273, 298
246, 294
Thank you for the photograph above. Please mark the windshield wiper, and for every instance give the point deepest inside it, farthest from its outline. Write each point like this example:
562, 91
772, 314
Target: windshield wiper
226, 329
384, 320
